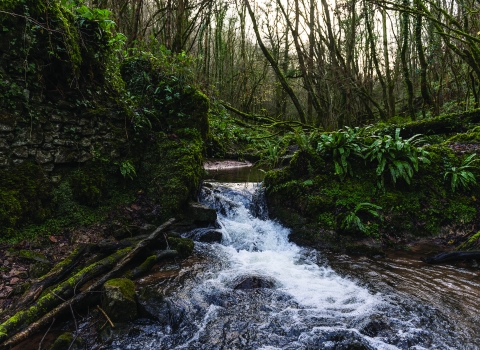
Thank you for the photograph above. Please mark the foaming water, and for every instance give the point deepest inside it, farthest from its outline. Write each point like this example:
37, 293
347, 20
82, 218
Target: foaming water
257, 290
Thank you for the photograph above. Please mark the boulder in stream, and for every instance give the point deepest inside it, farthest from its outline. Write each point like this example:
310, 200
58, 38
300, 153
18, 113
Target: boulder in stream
253, 281
206, 235
202, 215
119, 300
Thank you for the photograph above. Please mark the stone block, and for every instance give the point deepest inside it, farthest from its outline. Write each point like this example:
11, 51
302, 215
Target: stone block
20, 152
85, 142
4, 127
63, 155
84, 157
43, 157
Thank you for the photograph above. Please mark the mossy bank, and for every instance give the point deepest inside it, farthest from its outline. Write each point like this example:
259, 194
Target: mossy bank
332, 201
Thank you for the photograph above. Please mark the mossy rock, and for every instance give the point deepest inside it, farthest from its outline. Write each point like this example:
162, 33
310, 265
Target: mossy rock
119, 300
184, 246
39, 269
67, 341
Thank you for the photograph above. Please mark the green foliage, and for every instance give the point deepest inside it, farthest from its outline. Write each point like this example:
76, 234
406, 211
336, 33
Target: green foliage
352, 221
400, 157
127, 169
271, 156
25, 196
230, 135
340, 146
87, 185
461, 177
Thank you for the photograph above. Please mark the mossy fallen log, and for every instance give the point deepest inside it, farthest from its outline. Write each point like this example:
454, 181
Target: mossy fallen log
472, 243
447, 257
40, 318
149, 263
58, 272
444, 124
59, 293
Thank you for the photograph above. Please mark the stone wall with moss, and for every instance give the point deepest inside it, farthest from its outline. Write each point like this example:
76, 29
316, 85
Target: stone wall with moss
308, 197
57, 105
71, 134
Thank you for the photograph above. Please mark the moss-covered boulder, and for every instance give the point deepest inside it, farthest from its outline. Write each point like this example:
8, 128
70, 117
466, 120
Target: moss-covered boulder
119, 300
67, 341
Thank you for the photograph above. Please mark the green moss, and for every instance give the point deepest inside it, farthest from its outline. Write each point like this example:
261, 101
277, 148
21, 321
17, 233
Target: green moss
184, 246
126, 286
67, 341
87, 185
472, 136
31, 255
471, 244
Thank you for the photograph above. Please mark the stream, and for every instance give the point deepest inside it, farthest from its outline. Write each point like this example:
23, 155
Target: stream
257, 290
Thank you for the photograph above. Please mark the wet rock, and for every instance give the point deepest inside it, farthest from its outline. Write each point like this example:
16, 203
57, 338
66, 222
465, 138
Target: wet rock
184, 246
153, 305
119, 300
201, 214
245, 282
373, 327
206, 235
365, 250
67, 341
43, 157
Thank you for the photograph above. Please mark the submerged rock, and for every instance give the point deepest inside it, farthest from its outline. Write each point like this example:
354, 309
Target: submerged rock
245, 282
152, 304
119, 300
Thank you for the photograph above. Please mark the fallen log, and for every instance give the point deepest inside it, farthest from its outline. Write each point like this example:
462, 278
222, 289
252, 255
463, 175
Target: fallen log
9, 338
149, 263
452, 256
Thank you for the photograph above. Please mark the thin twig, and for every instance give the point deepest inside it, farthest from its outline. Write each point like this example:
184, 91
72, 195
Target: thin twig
106, 316
73, 341
74, 319
48, 330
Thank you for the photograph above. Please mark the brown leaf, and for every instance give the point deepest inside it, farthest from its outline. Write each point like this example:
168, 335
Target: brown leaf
52, 239
134, 207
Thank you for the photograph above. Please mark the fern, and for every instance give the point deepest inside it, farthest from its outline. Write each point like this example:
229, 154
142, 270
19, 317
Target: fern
399, 157
461, 177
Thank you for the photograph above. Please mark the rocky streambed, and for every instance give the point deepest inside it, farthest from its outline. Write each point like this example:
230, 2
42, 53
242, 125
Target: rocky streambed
256, 290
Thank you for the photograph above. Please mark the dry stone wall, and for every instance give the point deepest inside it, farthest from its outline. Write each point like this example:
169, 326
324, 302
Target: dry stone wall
63, 137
